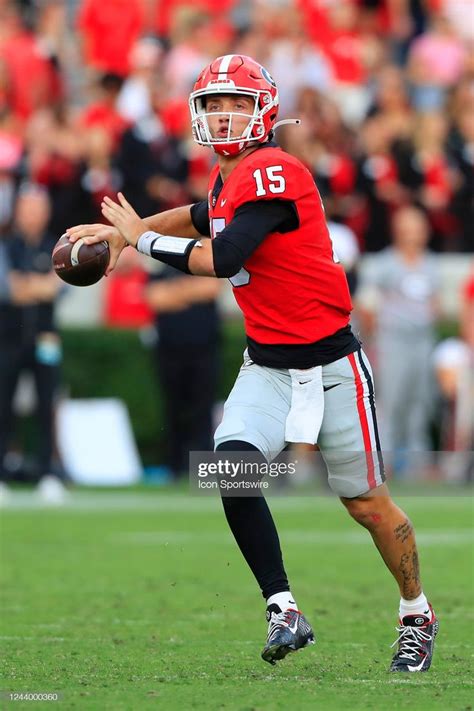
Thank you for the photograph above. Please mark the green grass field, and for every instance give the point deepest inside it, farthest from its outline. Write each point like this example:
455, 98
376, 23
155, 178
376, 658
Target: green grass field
140, 600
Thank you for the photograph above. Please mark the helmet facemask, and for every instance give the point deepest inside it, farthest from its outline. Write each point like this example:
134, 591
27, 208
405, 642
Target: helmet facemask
229, 145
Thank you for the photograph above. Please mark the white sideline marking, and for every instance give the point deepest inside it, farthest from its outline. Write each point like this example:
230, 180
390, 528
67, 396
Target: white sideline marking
30, 638
299, 537
235, 642
389, 680
85, 501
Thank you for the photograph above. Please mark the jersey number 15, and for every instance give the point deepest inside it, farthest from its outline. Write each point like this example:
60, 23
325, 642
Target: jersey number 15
275, 183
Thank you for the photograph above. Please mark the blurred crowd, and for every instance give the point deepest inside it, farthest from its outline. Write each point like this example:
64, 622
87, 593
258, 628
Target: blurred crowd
93, 98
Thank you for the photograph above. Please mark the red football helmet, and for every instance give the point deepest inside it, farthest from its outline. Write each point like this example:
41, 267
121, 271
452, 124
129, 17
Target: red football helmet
234, 74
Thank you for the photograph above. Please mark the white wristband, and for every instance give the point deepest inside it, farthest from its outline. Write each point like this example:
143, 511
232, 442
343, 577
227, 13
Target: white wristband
145, 241
150, 242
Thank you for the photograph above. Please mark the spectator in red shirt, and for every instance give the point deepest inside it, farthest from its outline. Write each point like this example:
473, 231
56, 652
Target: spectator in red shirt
54, 150
109, 30
317, 21
124, 299
103, 112
31, 77
346, 50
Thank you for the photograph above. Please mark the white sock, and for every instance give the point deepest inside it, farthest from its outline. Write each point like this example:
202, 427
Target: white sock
418, 606
284, 600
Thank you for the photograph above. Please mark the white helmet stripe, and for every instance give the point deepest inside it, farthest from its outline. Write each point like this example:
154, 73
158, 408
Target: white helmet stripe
223, 69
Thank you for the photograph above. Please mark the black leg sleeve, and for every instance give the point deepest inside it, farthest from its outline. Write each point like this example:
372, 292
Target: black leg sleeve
252, 524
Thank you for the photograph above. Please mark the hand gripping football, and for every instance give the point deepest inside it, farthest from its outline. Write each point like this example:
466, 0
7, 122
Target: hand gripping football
78, 263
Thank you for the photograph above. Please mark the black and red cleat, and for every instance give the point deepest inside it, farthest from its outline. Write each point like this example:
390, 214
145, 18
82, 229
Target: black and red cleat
415, 643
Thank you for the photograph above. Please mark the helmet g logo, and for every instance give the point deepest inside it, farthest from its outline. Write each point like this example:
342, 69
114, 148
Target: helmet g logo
267, 76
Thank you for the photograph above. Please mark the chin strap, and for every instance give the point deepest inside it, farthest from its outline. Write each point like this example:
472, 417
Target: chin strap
283, 122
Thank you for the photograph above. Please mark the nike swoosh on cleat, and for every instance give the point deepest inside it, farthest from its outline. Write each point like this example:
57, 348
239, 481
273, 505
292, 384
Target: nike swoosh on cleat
330, 387
419, 667
294, 628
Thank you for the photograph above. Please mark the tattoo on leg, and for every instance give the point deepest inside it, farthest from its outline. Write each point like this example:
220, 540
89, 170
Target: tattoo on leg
416, 565
410, 572
403, 531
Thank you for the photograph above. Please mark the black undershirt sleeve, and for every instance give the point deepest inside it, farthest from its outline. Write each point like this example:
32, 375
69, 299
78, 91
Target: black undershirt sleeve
251, 224
200, 217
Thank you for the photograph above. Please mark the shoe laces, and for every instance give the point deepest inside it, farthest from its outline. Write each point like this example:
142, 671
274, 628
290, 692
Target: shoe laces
410, 641
283, 618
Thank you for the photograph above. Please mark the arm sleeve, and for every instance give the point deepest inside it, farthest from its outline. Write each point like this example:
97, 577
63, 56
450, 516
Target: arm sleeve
200, 218
251, 224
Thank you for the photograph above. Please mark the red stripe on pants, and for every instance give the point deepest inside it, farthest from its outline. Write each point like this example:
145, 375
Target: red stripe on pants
363, 423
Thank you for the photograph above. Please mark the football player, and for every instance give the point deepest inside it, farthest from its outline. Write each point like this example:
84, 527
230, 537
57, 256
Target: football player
304, 376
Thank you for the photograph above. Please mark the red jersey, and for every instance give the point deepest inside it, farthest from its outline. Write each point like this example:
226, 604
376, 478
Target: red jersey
292, 290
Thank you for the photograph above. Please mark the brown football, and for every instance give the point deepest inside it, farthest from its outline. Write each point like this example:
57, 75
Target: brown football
78, 263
